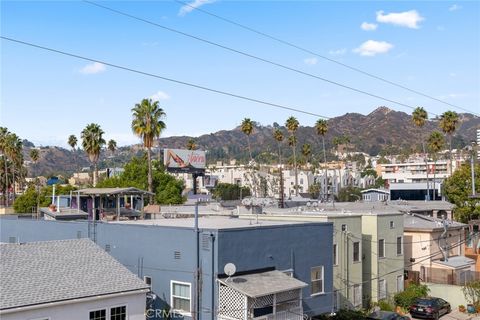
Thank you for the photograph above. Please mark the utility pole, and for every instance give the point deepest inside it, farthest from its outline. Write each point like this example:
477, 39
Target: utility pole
282, 196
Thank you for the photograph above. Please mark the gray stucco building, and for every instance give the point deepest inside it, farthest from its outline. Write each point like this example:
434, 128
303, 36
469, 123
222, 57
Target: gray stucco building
165, 251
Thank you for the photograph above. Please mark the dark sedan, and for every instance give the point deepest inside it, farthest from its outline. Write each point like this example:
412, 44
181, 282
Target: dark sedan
386, 315
429, 308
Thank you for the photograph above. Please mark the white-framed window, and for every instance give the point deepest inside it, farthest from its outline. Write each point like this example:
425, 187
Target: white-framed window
400, 283
399, 246
100, 314
180, 296
392, 225
382, 289
357, 295
356, 251
335, 254
317, 280
381, 248
118, 313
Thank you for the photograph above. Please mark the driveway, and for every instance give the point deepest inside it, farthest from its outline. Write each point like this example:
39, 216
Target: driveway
457, 315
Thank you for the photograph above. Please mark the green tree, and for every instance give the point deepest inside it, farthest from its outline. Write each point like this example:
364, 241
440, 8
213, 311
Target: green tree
34, 156
349, 194
306, 152
435, 142
92, 143
112, 146
471, 291
72, 142
147, 123
292, 125
247, 128
228, 191
449, 122
457, 189
26, 202
191, 145
407, 297
321, 128
278, 135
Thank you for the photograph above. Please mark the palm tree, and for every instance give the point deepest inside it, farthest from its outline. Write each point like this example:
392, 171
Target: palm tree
436, 142
92, 143
112, 146
191, 145
321, 127
3, 146
247, 128
419, 118
278, 135
306, 152
72, 142
448, 123
34, 156
147, 123
13, 151
292, 126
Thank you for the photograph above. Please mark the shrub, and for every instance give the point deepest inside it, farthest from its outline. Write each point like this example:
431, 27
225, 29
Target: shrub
406, 298
386, 305
471, 291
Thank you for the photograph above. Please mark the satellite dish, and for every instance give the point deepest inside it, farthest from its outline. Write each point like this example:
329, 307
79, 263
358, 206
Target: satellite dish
230, 269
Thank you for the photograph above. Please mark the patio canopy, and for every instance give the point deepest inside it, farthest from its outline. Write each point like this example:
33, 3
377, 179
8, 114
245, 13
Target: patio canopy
113, 191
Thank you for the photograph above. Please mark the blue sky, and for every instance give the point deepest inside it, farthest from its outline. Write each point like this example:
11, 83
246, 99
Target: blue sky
429, 46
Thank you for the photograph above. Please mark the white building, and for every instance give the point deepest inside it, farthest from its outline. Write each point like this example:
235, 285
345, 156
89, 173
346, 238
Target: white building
68, 279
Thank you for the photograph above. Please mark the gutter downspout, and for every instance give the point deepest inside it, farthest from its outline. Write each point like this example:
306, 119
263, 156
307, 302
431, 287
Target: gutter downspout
212, 236
443, 236
197, 268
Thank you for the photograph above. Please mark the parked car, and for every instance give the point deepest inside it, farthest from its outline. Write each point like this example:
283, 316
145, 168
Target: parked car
386, 315
429, 308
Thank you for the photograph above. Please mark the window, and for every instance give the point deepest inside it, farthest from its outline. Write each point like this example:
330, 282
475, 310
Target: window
118, 313
382, 289
399, 246
357, 295
356, 251
392, 225
148, 280
98, 315
400, 283
180, 296
344, 227
317, 280
381, 248
335, 255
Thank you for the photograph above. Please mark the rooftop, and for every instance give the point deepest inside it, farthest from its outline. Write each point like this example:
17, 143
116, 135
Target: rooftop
211, 222
112, 191
456, 262
36, 273
264, 283
418, 222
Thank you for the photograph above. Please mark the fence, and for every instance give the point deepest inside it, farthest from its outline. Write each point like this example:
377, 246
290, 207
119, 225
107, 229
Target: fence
447, 276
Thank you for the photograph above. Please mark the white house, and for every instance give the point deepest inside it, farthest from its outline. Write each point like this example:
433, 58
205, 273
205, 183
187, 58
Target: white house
68, 279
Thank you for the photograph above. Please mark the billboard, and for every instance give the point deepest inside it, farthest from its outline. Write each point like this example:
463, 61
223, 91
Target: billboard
181, 160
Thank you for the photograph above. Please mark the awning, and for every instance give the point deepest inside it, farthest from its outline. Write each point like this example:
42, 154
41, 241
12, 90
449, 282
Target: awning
113, 191
261, 284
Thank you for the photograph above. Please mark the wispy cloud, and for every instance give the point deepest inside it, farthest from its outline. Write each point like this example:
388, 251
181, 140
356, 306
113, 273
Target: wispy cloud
189, 7
368, 26
452, 96
371, 48
160, 95
338, 52
454, 7
310, 61
93, 68
409, 19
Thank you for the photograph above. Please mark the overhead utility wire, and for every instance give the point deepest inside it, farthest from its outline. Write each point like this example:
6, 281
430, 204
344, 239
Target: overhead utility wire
251, 55
189, 84
290, 44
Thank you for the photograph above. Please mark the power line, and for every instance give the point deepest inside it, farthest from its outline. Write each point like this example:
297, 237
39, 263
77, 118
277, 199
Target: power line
290, 44
250, 55
189, 84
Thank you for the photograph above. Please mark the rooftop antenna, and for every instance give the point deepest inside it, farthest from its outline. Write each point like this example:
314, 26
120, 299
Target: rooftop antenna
229, 270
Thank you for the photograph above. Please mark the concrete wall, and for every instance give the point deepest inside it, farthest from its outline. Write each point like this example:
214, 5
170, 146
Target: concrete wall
80, 311
450, 293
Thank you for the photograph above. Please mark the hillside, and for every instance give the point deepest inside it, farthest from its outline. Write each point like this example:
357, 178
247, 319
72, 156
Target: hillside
381, 129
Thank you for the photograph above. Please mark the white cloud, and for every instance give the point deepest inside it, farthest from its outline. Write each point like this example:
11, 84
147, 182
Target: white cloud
409, 19
311, 61
160, 95
452, 96
371, 48
193, 5
454, 7
368, 26
338, 52
93, 68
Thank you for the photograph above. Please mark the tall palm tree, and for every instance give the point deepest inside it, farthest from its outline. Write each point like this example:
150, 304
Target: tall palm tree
3, 146
147, 123
13, 151
448, 123
292, 127
419, 119
306, 152
92, 143
72, 142
34, 156
278, 135
436, 142
321, 128
112, 146
247, 128
191, 145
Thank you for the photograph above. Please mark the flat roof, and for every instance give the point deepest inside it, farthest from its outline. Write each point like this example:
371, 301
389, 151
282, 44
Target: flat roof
261, 284
214, 222
111, 191
420, 222
455, 262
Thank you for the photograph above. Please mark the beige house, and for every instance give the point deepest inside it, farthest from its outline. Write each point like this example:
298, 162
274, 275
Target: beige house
383, 262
